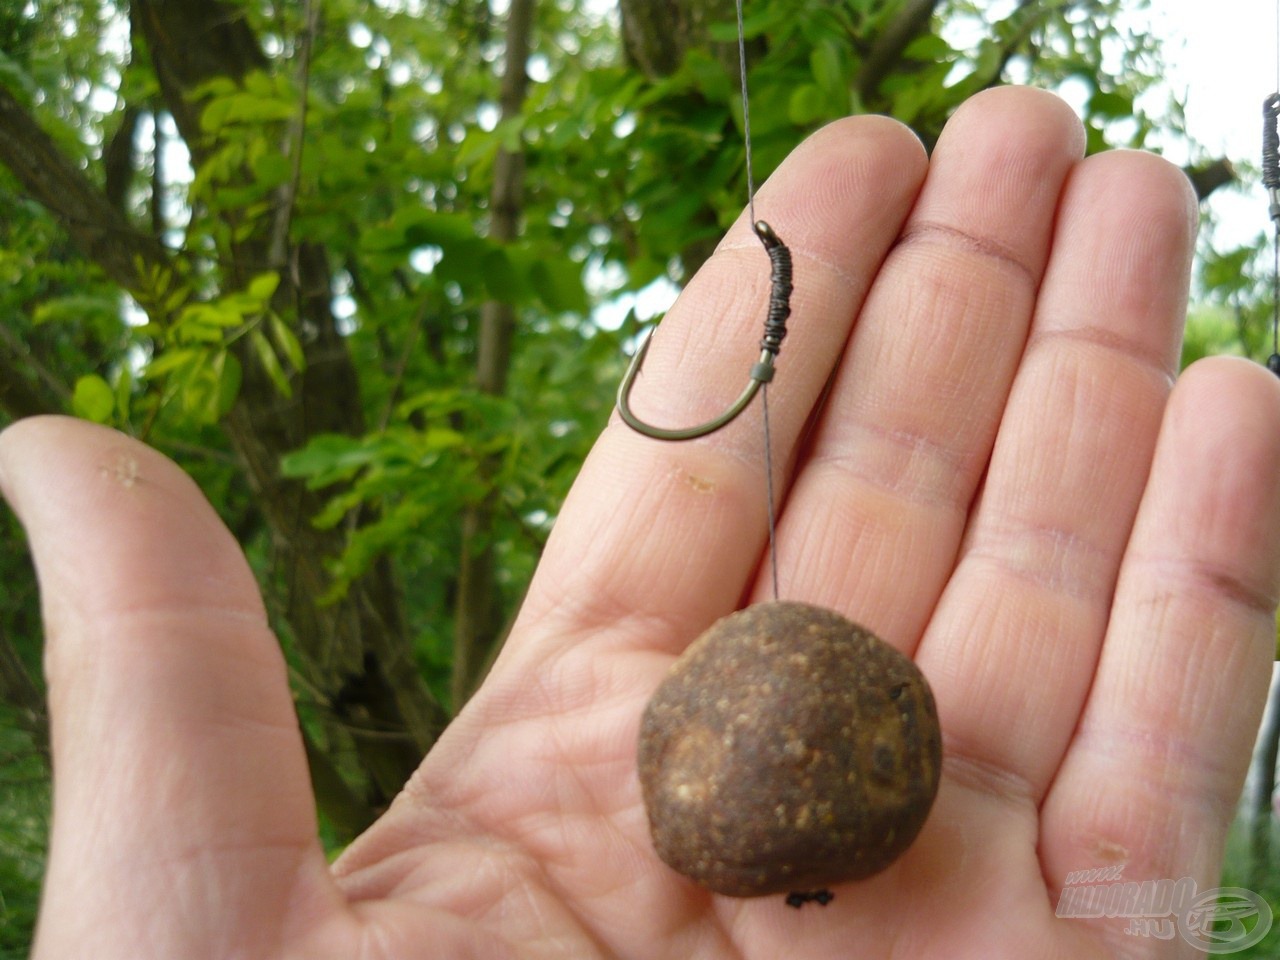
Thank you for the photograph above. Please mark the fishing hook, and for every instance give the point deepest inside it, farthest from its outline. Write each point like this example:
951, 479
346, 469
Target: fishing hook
775, 329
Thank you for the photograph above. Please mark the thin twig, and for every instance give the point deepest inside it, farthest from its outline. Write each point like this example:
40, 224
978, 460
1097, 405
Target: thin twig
288, 196
402, 365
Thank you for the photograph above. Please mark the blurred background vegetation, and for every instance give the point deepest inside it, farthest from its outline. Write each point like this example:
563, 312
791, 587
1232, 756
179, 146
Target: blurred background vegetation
367, 269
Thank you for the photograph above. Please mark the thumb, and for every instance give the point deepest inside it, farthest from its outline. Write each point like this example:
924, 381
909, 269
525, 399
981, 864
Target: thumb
183, 817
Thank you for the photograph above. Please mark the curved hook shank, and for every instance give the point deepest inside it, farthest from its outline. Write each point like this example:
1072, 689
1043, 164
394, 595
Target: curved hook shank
761, 373
775, 328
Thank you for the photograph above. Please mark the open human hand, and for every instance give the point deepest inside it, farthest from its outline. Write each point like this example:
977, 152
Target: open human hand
981, 456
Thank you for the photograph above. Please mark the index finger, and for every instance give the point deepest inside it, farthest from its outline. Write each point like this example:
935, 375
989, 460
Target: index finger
686, 522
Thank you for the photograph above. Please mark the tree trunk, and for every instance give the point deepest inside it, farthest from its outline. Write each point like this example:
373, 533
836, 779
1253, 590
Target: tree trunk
479, 612
656, 34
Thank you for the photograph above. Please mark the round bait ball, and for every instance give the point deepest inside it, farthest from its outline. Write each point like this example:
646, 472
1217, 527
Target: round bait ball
788, 749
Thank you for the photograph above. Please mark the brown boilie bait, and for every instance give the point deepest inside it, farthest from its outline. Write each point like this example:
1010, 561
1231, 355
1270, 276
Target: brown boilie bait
788, 749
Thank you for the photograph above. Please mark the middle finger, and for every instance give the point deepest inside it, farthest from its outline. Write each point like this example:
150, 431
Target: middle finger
876, 515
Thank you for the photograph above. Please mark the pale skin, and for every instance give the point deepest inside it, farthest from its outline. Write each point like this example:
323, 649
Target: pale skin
1004, 481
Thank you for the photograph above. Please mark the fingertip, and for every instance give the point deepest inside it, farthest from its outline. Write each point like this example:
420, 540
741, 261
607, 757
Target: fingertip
838, 201
43, 458
1219, 451
1030, 115
890, 148
1229, 407
86, 493
835, 170
1147, 187
1237, 388
1225, 411
14, 440
997, 173
1166, 177
872, 130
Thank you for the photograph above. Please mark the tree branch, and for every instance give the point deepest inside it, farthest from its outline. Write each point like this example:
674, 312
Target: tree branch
20, 394
118, 160
159, 181
20, 692
886, 51
100, 230
1208, 177
277, 250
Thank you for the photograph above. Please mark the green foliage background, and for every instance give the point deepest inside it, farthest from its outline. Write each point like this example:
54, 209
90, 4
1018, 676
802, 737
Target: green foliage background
629, 176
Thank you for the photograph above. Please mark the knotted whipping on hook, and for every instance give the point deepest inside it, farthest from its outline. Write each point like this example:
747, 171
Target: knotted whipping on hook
1271, 152
775, 329
1271, 180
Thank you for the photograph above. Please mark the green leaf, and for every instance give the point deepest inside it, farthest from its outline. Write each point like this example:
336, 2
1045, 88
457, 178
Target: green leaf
176, 299
1225, 272
270, 362
558, 283
287, 342
1095, 138
1111, 105
230, 375
807, 104
442, 438
643, 271
124, 391
215, 315
263, 287
93, 399
215, 87
328, 458
509, 133
336, 509
17, 79
501, 278
929, 48
710, 78
244, 108
753, 25
422, 227
170, 360
100, 311
827, 70
272, 169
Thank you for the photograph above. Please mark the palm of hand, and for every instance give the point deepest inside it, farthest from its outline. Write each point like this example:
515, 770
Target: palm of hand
984, 489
